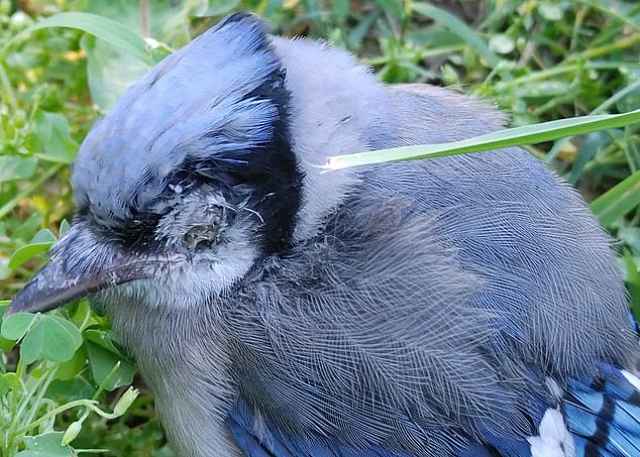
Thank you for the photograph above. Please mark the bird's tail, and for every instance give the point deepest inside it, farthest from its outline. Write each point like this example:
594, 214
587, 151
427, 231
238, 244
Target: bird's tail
604, 415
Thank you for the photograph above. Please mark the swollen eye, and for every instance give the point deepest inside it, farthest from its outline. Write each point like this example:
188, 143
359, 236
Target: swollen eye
201, 236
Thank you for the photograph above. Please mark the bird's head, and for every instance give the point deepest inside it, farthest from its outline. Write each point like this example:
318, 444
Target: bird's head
186, 183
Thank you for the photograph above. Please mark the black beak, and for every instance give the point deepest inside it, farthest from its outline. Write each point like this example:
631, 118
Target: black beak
80, 265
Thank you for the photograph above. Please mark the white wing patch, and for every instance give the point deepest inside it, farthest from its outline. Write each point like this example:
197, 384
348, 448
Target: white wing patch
554, 439
633, 379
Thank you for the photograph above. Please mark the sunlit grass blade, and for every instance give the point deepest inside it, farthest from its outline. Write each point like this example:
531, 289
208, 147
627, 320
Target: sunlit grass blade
519, 136
618, 200
458, 27
633, 282
113, 32
626, 12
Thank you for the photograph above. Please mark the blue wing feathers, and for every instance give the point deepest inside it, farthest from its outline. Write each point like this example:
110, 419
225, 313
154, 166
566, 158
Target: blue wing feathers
603, 415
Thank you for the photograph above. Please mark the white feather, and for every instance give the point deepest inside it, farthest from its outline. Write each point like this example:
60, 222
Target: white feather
633, 379
554, 439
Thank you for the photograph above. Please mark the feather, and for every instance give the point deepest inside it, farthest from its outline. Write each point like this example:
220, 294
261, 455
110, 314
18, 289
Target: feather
604, 414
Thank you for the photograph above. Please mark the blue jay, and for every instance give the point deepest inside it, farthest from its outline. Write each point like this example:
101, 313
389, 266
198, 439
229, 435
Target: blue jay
466, 306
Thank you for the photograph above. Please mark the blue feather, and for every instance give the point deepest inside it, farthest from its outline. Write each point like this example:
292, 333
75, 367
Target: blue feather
603, 415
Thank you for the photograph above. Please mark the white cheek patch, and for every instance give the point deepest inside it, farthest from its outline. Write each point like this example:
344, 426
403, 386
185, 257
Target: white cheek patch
195, 283
554, 439
192, 282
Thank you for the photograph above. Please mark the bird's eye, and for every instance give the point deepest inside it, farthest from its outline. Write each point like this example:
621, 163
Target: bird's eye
201, 236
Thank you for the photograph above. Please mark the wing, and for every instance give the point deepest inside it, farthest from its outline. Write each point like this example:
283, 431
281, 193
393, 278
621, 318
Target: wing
547, 266
267, 443
365, 334
427, 316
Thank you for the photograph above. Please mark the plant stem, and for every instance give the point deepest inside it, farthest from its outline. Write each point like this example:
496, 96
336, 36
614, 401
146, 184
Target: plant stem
43, 389
606, 49
616, 97
7, 88
8, 207
145, 29
558, 70
59, 410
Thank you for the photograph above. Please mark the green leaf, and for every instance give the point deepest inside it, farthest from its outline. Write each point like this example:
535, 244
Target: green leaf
74, 389
26, 253
6, 344
393, 7
111, 31
457, 26
104, 340
618, 200
71, 368
46, 445
82, 315
16, 325
64, 227
14, 168
9, 382
108, 369
4, 305
550, 11
50, 338
502, 44
529, 134
44, 236
109, 71
54, 139
28, 228
216, 8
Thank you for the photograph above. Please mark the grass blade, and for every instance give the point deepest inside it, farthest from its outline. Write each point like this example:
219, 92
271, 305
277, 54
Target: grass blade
530, 134
459, 28
111, 31
628, 13
618, 200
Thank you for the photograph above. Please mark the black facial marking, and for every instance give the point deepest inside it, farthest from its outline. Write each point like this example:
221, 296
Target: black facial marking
258, 173
278, 180
266, 179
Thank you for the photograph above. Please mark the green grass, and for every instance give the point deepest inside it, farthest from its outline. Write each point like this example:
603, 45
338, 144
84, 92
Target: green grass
539, 61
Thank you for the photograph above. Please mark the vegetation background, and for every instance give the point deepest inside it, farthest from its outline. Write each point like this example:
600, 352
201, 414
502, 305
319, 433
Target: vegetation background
63, 390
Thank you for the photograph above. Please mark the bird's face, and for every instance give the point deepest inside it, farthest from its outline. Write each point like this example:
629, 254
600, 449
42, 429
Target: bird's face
185, 184
199, 243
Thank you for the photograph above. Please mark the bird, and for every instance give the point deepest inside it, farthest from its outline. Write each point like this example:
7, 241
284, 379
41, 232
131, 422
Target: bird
466, 306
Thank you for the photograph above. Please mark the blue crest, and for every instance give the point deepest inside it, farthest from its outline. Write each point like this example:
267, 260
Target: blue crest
214, 110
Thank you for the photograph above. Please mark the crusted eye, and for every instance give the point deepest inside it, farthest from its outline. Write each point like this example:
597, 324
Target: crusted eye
201, 236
